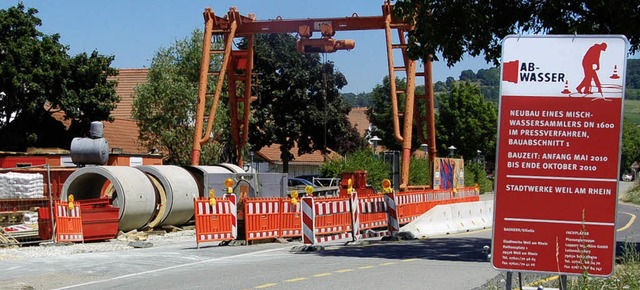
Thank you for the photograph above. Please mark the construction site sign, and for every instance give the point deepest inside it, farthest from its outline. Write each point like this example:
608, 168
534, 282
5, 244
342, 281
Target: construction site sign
560, 124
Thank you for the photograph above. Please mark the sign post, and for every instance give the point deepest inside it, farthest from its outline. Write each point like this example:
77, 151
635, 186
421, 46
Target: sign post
560, 124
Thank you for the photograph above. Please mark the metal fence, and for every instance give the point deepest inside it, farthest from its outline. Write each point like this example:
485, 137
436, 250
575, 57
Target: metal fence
25, 196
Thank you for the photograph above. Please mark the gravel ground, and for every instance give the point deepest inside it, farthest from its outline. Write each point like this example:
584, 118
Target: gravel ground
52, 249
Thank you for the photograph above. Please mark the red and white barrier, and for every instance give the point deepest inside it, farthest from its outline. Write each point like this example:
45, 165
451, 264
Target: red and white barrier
308, 221
68, 222
217, 222
262, 218
326, 220
291, 226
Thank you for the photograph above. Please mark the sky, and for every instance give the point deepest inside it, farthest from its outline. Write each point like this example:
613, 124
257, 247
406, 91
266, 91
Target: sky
133, 31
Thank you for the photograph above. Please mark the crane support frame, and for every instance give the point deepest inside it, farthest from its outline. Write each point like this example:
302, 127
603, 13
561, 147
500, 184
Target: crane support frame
237, 68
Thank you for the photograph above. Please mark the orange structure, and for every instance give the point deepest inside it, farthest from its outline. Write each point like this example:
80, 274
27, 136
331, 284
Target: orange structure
237, 67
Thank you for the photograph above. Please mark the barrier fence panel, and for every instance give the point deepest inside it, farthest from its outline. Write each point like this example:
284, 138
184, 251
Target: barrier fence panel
373, 215
68, 222
217, 221
408, 204
326, 219
262, 218
291, 219
333, 215
373, 212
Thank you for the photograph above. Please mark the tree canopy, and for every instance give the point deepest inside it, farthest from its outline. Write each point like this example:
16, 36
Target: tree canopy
298, 101
453, 28
165, 106
467, 121
39, 78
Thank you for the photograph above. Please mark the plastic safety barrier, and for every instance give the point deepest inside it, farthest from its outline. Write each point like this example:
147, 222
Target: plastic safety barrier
262, 218
216, 221
326, 220
319, 220
291, 219
373, 216
68, 222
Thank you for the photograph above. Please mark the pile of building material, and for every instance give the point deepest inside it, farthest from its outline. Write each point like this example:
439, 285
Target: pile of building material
21, 185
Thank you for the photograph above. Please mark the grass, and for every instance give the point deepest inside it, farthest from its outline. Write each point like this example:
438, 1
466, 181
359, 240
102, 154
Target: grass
633, 195
626, 276
632, 111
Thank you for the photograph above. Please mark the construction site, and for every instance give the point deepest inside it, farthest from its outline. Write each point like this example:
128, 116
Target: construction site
99, 198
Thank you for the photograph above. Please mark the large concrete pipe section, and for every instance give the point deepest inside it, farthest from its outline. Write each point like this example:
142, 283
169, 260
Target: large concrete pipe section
129, 189
200, 172
179, 188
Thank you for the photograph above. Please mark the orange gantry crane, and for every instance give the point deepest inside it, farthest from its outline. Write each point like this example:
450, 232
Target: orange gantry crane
237, 67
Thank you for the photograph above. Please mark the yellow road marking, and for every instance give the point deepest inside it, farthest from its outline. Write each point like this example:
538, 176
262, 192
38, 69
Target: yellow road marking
409, 260
322, 275
633, 219
344, 271
296, 279
266, 285
366, 267
387, 264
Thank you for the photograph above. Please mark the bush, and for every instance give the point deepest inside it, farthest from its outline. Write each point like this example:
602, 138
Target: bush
419, 172
633, 195
474, 174
363, 159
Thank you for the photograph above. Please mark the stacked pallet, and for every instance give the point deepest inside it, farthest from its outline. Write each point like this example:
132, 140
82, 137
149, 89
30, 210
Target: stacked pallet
7, 240
21, 185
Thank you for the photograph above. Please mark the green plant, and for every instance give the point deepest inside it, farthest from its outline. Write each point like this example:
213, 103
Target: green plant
363, 159
633, 195
626, 276
419, 172
474, 174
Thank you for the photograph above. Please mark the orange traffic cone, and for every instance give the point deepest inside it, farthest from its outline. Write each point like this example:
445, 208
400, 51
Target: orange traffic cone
615, 73
566, 88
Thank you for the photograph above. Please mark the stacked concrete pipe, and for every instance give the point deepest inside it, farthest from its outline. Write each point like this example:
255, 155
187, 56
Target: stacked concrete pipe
179, 188
148, 196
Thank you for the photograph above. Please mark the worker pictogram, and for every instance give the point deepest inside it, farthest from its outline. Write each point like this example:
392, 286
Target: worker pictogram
590, 66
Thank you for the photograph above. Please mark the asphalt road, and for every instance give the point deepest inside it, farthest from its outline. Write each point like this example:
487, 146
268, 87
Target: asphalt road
452, 262
448, 262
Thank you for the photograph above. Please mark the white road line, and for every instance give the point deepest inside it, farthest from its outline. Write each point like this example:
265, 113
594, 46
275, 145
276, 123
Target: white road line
171, 268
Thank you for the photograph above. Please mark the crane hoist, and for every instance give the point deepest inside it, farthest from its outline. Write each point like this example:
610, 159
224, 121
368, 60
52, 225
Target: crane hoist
237, 68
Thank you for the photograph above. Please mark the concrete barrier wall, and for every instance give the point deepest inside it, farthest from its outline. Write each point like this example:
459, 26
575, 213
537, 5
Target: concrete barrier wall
447, 219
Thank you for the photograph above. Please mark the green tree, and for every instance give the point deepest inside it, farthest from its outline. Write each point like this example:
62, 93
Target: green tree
359, 100
466, 121
298, 101
380, 113
453, 28
38, 78
165, 106
468, 75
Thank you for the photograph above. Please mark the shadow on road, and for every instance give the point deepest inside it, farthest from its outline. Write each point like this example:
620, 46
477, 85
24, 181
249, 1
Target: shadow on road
446, 249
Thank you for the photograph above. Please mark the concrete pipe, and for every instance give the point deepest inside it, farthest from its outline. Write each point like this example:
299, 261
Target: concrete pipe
129, 189
199, 172
180, 189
